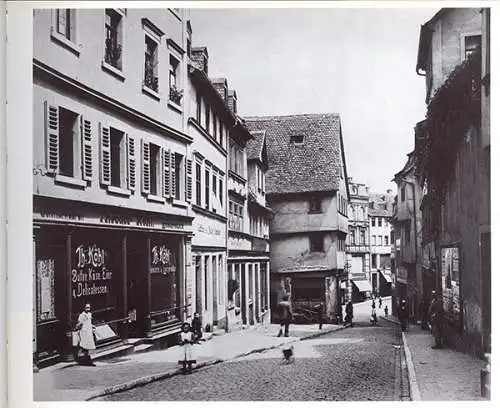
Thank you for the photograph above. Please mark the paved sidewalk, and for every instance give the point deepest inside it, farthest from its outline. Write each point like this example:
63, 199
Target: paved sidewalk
439, 375
69, 382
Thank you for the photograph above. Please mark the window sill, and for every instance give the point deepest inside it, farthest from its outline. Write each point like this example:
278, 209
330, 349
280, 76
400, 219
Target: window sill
70, 181
155, 198
150, 92
62, 40
110, 69
172, 105
315, 212
119, 191
179, 203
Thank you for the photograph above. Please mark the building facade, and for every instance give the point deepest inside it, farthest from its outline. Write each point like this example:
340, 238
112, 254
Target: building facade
358, 244
309, 199
112, 222
380, 214
411, 284
453, 164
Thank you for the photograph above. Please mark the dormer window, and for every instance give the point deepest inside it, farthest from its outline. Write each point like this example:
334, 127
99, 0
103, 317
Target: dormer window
297, 140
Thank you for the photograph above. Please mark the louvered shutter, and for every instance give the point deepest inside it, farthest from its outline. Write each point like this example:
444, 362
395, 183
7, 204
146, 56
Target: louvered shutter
172, 174
86, 135
189, 180
130, 162
166, 172
52, 137
146, 167
105, 145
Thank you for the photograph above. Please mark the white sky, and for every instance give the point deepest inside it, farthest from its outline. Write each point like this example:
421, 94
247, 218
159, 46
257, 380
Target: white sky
359, 63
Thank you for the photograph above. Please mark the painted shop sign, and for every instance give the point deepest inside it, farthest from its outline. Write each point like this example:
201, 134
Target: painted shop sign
110, 220
90, 277
162, 260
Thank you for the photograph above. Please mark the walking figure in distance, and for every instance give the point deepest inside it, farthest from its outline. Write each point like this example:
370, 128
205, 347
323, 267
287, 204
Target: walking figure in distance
86, 342
436, 314
285, 310
186, 341
349, 313
423, 310
373, 317
403, 314
380, 302
386, 311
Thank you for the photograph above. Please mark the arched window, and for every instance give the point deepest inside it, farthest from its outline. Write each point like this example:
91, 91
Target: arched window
351, 212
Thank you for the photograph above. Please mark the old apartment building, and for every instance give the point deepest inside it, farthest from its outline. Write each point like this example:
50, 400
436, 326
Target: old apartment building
309, 199
453, 164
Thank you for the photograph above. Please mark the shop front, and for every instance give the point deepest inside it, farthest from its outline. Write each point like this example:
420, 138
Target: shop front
128, 268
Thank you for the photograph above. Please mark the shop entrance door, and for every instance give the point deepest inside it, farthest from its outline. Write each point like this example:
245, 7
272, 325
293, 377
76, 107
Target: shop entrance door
137, 294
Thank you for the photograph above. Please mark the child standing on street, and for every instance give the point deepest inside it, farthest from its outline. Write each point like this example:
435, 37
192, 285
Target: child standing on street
186, 341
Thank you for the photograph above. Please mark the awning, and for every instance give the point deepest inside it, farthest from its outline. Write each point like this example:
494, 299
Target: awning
362, 285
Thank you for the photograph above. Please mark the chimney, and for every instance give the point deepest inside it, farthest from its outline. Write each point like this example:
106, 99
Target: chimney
349, 179
231, 101
199, 56
220, 84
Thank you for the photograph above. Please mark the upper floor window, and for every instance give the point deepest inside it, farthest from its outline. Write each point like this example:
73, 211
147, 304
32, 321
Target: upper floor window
65, 23
151, 63
472, 43
236, 160
198, 183
340, 244
315, 205
207, 117
362, 237
214, 125
297, 139
113, 42
380, 221
68, 145
374, 220
316, 242
352, 235
235, 216
198, 108
386, 240
403, 192
175, 93
221, 132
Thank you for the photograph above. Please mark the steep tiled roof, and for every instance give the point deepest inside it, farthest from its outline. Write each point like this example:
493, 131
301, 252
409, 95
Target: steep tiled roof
313, 166
254, 146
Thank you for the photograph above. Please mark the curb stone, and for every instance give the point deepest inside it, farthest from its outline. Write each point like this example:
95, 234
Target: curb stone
414, 390
160, 376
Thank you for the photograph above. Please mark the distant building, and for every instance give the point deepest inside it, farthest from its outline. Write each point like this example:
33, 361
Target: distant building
308, 193
380, 214
452, 151
358, 244
411, 284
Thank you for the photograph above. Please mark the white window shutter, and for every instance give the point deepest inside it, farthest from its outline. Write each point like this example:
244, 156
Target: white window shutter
172, 174
166, 172
86, 137
105, 157
146, 167
189, 180
131, 159
52, 137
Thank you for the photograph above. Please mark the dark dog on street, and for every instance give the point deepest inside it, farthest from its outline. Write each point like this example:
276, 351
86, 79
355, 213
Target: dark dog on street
288, 354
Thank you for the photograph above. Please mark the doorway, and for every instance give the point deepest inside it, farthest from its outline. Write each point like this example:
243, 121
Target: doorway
486, 289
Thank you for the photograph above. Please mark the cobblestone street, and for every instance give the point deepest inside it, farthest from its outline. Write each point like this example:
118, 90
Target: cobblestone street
359, 363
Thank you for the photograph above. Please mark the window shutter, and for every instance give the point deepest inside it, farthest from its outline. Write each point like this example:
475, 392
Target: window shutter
130, 162
86, 134
166, 173
105, 144
172, 174
189, 180
146, 167
52, 137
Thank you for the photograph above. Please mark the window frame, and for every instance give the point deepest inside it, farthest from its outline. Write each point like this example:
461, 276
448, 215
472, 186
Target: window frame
69, 43
108, 66
314, 239
156, 68
463, 39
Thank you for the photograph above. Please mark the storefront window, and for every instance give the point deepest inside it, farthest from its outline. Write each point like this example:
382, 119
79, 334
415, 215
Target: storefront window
452, 303
92, 279
164, 282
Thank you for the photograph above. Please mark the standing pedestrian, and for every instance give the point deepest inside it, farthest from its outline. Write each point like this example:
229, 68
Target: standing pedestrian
373, 317
196, 326
186, 341
86, 342
349, 313
285, 310
373, 302
319, 313
380, 302
403, 314
436, 315
386, 311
